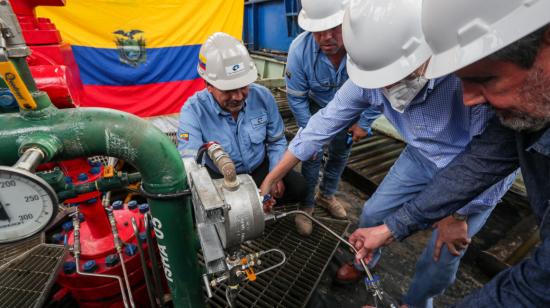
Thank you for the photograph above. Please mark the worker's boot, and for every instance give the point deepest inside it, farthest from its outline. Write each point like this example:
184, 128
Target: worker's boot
347, 273
332, 205
304, 225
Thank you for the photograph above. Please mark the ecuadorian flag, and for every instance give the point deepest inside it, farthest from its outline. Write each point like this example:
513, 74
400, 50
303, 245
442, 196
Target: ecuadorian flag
141, 56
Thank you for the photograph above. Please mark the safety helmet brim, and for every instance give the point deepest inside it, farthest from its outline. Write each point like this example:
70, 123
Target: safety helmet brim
389, 74
501, 34
318, 25
235, 83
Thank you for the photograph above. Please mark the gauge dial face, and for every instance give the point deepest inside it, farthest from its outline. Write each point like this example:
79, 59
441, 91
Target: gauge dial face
27, 204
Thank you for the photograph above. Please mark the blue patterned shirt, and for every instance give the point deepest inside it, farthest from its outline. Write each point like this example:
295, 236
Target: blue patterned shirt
257, 132
489, 158
311, 76
436, 123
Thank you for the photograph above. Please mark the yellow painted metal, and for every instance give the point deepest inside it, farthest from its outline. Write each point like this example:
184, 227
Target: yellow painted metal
17, 86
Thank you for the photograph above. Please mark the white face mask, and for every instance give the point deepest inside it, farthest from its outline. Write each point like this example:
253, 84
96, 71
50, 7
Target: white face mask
402, 94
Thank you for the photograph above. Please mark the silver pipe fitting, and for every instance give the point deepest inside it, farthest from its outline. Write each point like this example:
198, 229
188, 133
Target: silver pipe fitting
377, 291
76, 252
118, 246
225, 165
30, 159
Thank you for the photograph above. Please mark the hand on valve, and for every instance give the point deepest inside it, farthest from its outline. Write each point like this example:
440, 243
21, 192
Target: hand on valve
367, 240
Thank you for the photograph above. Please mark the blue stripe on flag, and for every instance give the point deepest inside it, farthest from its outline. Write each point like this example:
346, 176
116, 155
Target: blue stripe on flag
102, 66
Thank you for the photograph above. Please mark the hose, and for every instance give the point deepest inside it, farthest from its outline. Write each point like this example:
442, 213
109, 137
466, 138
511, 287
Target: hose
273, 266
377, 291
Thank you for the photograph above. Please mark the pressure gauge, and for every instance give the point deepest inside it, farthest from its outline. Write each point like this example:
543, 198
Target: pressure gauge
27, 204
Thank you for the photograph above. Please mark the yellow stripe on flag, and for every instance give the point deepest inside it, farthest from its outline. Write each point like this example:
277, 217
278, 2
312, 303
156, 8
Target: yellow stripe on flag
164, 23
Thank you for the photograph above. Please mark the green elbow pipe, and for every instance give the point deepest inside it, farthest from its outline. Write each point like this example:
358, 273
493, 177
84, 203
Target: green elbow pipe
84, 132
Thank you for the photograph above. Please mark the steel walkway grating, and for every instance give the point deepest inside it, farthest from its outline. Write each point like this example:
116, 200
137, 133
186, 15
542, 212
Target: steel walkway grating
292, 284
11, 251
25, 281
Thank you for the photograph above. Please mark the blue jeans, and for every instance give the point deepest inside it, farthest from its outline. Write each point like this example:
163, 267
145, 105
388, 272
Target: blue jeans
338, 154
408, 177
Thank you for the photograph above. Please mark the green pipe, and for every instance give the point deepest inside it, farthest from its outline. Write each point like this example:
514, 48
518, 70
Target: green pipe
65, 191
84, 132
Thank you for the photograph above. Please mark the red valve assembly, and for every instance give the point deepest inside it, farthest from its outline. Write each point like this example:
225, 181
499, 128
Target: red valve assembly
52, 62
53, 67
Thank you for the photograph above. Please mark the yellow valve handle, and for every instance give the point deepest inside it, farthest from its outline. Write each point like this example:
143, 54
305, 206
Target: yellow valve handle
250, 274
17, 86
249, 271
108, 172
129, 196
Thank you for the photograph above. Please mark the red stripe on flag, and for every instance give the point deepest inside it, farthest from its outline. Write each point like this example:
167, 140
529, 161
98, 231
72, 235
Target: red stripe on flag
142, 100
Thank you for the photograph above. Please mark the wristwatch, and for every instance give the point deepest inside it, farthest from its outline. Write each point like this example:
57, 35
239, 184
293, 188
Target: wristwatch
460, 217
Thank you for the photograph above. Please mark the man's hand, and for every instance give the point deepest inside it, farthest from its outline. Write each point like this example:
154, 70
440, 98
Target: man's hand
357, 132
266, 186
278, 190
367, 240
453, 233
268, 203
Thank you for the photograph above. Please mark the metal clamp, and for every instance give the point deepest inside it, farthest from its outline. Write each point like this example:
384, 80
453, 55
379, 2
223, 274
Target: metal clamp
177, 195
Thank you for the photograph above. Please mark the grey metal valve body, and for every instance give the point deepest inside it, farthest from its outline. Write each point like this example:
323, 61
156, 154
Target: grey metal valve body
224, 217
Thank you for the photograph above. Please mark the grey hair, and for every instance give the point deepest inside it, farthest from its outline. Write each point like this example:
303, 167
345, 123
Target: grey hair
523, 51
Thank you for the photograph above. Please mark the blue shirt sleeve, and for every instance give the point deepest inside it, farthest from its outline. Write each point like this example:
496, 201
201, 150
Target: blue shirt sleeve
275, 139
479, 117
297, 86
189, 133
488, 159
347, 105
368, 117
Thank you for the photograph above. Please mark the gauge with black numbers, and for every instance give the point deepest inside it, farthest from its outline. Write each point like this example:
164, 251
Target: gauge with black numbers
27, 204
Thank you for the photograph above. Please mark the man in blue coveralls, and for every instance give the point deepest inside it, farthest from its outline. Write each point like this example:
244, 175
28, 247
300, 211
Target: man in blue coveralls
241, 116
316, 69
501, 51
420, 109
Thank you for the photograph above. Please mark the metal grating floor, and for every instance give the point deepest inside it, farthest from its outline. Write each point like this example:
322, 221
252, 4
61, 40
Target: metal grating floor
11, 251
292, 284
25, 281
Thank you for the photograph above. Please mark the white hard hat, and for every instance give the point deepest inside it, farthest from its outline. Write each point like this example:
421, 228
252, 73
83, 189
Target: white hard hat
225, 63
462, 32
317, 16
384, 41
